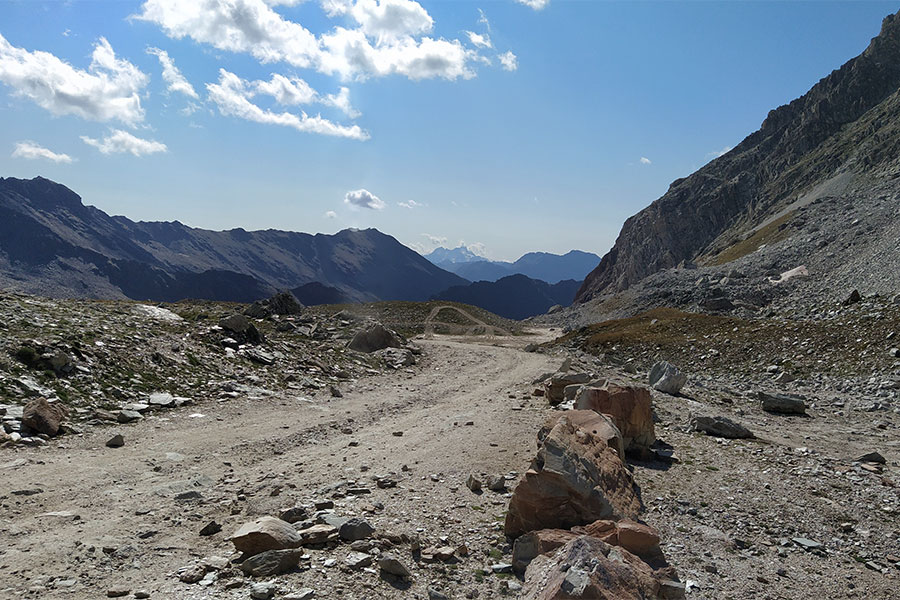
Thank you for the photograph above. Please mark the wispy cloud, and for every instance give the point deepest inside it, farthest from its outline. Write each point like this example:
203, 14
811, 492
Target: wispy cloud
478, 40
330, 214
232, 96
718, 153
109, 90
646, 161
172, 75
363, 199
122, 142
33, 151
410, 204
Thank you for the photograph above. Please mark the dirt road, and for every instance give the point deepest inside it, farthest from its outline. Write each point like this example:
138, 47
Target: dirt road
79, 518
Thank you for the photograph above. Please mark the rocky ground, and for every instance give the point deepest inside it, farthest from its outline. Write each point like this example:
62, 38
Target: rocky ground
371, 462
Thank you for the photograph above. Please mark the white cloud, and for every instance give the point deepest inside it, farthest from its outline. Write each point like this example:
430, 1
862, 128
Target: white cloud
383, 42
341, 100
33, 151
646, 161
483, 20
120, 142
330, 214
171, 75
718, 153
363, 199
478, 40
535, 4
410, 204
232, 95
509, 61
109, 90
293, 91
435, 240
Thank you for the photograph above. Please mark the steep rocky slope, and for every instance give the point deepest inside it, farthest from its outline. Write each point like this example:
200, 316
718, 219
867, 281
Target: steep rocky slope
51, 243
840, 140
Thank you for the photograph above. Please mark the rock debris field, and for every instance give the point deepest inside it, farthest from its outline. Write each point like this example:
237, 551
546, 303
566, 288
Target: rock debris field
194, 458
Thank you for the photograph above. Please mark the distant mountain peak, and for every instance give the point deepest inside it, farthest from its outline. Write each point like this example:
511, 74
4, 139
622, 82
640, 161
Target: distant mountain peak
460, 254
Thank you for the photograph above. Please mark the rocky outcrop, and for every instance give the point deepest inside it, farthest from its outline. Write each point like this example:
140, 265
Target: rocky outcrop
628, 407
555, 386
789, 154
282, 303
375, 337
576, 478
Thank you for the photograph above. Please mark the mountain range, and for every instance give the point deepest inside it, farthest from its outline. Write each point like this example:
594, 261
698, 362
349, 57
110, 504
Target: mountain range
52, 244
544, 266
513, 296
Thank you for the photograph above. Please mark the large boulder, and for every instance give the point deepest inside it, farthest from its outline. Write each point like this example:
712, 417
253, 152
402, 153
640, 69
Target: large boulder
577, 477
667, 378
266, 533
586, 567
272, 562
628, 406
282, 303
44, 417
240, 328
555, 386
396, 358
375, 337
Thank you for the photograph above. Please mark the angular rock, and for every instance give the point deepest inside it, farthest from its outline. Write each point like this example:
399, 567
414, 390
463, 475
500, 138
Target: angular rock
473, 483
128, 416
161, 400
388, 563
496, 483
116, 441
720, 427
628, 406
872, 457
555, 385
266, 533
529, 546
355, 529
262, 591
44, 417
317, 534
586, 567
271, 562
358, 560
241, 329
782, 404
576, 478
375, 337
294, 514
666, 377
396, 358
282, 303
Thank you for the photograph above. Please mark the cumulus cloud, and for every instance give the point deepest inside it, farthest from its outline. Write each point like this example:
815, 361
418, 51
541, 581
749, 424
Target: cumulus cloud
294, 91
410, 204
33, 151
363, 199
172, 75
384, 41
121, 142
330, 214
109, 90
232, 96
434, 240
535, 4
478, 40
646, 161
509, 61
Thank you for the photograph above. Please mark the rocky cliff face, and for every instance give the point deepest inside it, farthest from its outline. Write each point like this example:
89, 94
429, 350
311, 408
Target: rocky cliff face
844, 128
52, 244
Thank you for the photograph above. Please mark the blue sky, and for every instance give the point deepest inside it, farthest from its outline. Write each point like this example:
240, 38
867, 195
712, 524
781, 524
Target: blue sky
512, 125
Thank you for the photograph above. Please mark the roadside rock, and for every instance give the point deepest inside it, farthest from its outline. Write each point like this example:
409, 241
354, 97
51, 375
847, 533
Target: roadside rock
555, 385
782, 404
576, 478
667, 378
44, 417
266, 533
628, 406
388, 563
720, 427
396, 358
271, 562
374, 338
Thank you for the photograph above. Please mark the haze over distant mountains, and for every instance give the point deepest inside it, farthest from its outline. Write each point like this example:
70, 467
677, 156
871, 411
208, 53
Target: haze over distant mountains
52, 244
514, 296
551, 268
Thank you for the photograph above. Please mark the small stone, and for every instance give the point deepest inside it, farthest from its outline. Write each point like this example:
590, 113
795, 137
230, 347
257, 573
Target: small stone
301, 594
142, 594
355, 529
117, 592
389, 564
116, 441
262, 591
193, 574
211, 528
128, 416
496, 483
358, 560
473, 483
501, 568
434, 594
806, 543
872, 457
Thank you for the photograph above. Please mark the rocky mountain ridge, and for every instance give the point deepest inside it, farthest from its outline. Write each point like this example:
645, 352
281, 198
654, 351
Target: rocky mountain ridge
837, 141
545, 266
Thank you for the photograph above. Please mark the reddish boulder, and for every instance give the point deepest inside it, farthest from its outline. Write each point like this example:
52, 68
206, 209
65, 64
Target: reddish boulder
628, 407
534, 543
44, 417
587, 567
576, 478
